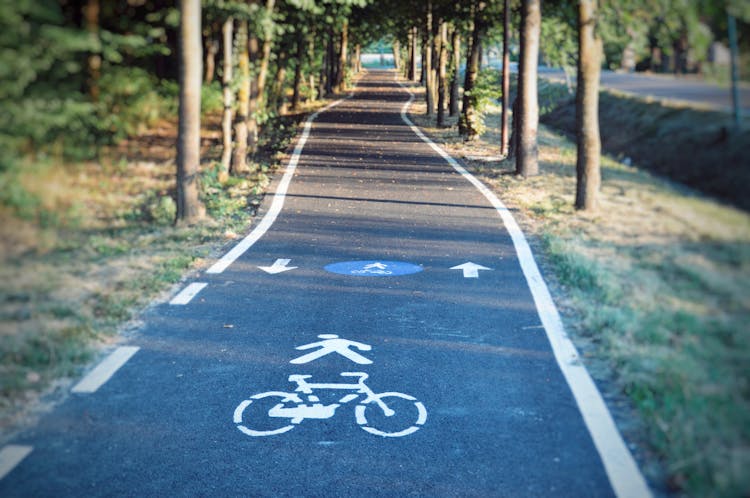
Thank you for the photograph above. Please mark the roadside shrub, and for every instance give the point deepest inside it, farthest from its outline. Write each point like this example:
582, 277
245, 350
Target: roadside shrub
129, 102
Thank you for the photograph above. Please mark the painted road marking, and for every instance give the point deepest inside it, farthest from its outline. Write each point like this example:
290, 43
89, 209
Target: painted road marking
11, 456
278, 199
401, 413
624, 475
279, 266
406, 414
373, 268
471, 270
188, 293
105, 370
332, 343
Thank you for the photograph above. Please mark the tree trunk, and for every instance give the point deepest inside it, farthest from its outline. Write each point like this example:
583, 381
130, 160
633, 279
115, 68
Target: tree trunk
422, 77
427, 62
311, 57
277, 92
506, 79
189, 207
455, 65
397, 54
342, 56
527, 157
94, 61
467, 123
226, 83
212, 48
436, 41
413, 49
443, 60
513, 142
242, 118
409, 69
258, 84
253, 48
587, 107
330, 62
298, 70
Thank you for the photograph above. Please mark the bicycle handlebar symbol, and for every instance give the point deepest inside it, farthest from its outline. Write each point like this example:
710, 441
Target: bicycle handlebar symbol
390, 409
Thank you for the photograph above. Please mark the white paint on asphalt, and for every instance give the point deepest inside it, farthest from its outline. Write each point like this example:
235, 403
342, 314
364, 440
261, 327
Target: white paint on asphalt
279, 266
10, 456
332, 343
105, 370
278, 199
188, 293
624, 476
291, 406
471, 270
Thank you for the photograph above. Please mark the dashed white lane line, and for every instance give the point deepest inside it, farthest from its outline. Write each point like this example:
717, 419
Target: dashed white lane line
278, 199
188, 293
624, 476
11, 456
105, 370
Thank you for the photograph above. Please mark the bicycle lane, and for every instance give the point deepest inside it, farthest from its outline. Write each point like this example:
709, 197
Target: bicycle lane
481, 406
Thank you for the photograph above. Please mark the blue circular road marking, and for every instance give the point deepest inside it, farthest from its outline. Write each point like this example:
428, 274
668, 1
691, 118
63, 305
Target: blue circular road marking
375, 268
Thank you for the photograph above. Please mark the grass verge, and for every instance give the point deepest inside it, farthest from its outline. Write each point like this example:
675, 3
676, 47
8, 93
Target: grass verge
86, 245
655, 290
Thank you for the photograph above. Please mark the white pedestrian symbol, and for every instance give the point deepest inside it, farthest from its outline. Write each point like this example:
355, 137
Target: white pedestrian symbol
332, 343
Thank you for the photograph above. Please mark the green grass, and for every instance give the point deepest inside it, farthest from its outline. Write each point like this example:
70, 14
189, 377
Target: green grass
654, 290
71, 282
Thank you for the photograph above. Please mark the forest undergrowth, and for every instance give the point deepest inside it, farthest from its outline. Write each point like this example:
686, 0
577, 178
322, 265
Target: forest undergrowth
86, 244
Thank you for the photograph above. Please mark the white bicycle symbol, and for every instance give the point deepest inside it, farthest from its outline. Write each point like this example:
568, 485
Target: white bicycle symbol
255, 411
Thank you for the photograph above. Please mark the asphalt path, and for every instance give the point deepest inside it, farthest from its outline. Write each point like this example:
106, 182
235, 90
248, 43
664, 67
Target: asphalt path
463, 394
667, 87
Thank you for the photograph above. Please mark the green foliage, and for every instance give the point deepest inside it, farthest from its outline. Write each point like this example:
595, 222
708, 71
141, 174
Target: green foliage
212, 99
487, 89
219, 204
129, 102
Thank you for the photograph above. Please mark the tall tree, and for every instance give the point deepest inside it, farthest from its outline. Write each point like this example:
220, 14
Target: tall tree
469, 119
189, 207
413, 73
242, 118
212, 48
455, 72
298, 64
342, 56
506, 79
527, 161
587, 107
442, 61
427, 60
227, 32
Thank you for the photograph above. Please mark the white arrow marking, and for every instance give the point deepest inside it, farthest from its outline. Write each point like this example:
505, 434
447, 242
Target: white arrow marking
280, 265
379, 266
471, 270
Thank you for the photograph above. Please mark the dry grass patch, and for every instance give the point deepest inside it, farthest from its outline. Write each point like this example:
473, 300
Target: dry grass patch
84, 246
655, 287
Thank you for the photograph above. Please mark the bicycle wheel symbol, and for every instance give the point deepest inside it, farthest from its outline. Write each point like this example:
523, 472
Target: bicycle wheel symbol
371, 417
255, 410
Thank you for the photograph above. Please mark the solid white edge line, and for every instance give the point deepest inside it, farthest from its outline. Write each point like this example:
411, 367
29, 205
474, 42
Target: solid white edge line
105, 370
278, 199
10, 456
188, 293
623, 472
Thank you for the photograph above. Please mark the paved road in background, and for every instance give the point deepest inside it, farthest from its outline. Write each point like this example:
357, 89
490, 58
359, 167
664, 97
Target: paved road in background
668, 88
380, 339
